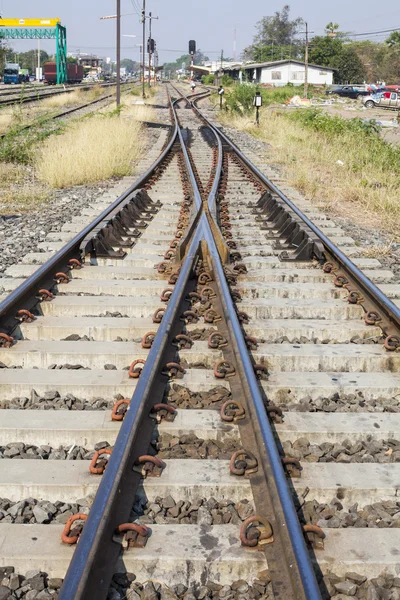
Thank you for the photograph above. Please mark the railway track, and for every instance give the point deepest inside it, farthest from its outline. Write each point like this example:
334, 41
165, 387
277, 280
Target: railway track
25, 96
239, 328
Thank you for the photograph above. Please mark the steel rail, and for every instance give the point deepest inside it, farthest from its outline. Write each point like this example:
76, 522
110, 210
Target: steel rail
27, 289
291, 524
38, 95
368, 287
60, 115
92, 566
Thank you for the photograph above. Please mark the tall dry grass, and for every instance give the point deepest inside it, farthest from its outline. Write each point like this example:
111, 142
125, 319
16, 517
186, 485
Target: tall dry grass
92, 150
75, 97
362, 188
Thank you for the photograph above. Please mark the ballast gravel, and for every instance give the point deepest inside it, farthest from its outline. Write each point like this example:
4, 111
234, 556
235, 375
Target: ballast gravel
340, 403
20, 450
34, 585
21, 233
363, 451
182, 397
31, 511
334, 515
124, 586
190, 446
52, 400
201, 512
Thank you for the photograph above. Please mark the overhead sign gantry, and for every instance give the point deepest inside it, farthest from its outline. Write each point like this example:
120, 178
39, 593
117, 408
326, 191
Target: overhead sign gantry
43, 29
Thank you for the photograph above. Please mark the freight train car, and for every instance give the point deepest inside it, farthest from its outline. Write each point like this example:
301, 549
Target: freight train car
74, 73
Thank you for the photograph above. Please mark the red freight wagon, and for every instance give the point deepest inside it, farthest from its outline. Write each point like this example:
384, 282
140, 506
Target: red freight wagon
74, 73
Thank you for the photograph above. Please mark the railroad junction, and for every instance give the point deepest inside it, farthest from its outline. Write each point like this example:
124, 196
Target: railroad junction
206, 375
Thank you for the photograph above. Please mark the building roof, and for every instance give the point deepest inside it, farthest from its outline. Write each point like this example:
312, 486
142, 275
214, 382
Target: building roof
248, 66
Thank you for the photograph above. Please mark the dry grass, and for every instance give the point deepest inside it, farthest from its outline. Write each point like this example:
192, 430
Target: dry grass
18, 193
360, 190
378, 251
6, 119
75, 97
93, 150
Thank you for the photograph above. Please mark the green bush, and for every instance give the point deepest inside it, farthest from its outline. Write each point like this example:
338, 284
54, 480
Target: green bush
361, 136
239, 98
208, 79
226, 80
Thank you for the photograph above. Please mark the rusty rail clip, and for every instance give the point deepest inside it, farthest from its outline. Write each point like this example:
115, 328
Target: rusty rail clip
6, 341
163, 412
119, 415
135, 372
211, 316
173, 370
223, 369
158, 315
243, 462
292, 466
148, 339
204, 278
252, 535
190, 316
217, 340
149, 466
392, 343
45, 295
25, 316
372, 317
251, 342
98, 465
61, 277
261, 371
314, 535
70, 536
183, 341
275, 413
232, 411
134, 535
166, 294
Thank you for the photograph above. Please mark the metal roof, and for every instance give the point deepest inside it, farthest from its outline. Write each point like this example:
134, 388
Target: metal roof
248, 66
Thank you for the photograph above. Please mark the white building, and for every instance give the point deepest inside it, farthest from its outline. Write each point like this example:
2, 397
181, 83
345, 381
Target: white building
282, 72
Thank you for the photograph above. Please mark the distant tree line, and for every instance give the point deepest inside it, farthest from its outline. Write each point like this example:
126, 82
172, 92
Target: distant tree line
280, 37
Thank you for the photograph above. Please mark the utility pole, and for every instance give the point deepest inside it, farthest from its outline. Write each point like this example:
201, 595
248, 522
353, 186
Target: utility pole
144, 44
306, 65
38, 60
149, 49
118, 52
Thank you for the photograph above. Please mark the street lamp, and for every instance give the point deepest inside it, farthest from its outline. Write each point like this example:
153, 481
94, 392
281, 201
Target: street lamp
257, 102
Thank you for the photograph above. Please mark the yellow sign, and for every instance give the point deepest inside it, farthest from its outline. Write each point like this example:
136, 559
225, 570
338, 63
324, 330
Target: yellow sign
29, 22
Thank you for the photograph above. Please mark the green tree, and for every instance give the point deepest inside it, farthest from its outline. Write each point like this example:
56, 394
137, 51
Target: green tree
336, 53
29, 59
275, 32
393, 40
131, 66
332, 29
199, 58
349, 68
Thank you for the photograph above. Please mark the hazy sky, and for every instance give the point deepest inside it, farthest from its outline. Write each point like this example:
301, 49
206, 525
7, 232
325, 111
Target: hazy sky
210, 22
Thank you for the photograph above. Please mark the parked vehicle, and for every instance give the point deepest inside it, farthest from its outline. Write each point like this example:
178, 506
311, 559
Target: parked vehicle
11, 73
348, 91
74, 73
383, 100
24, 75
